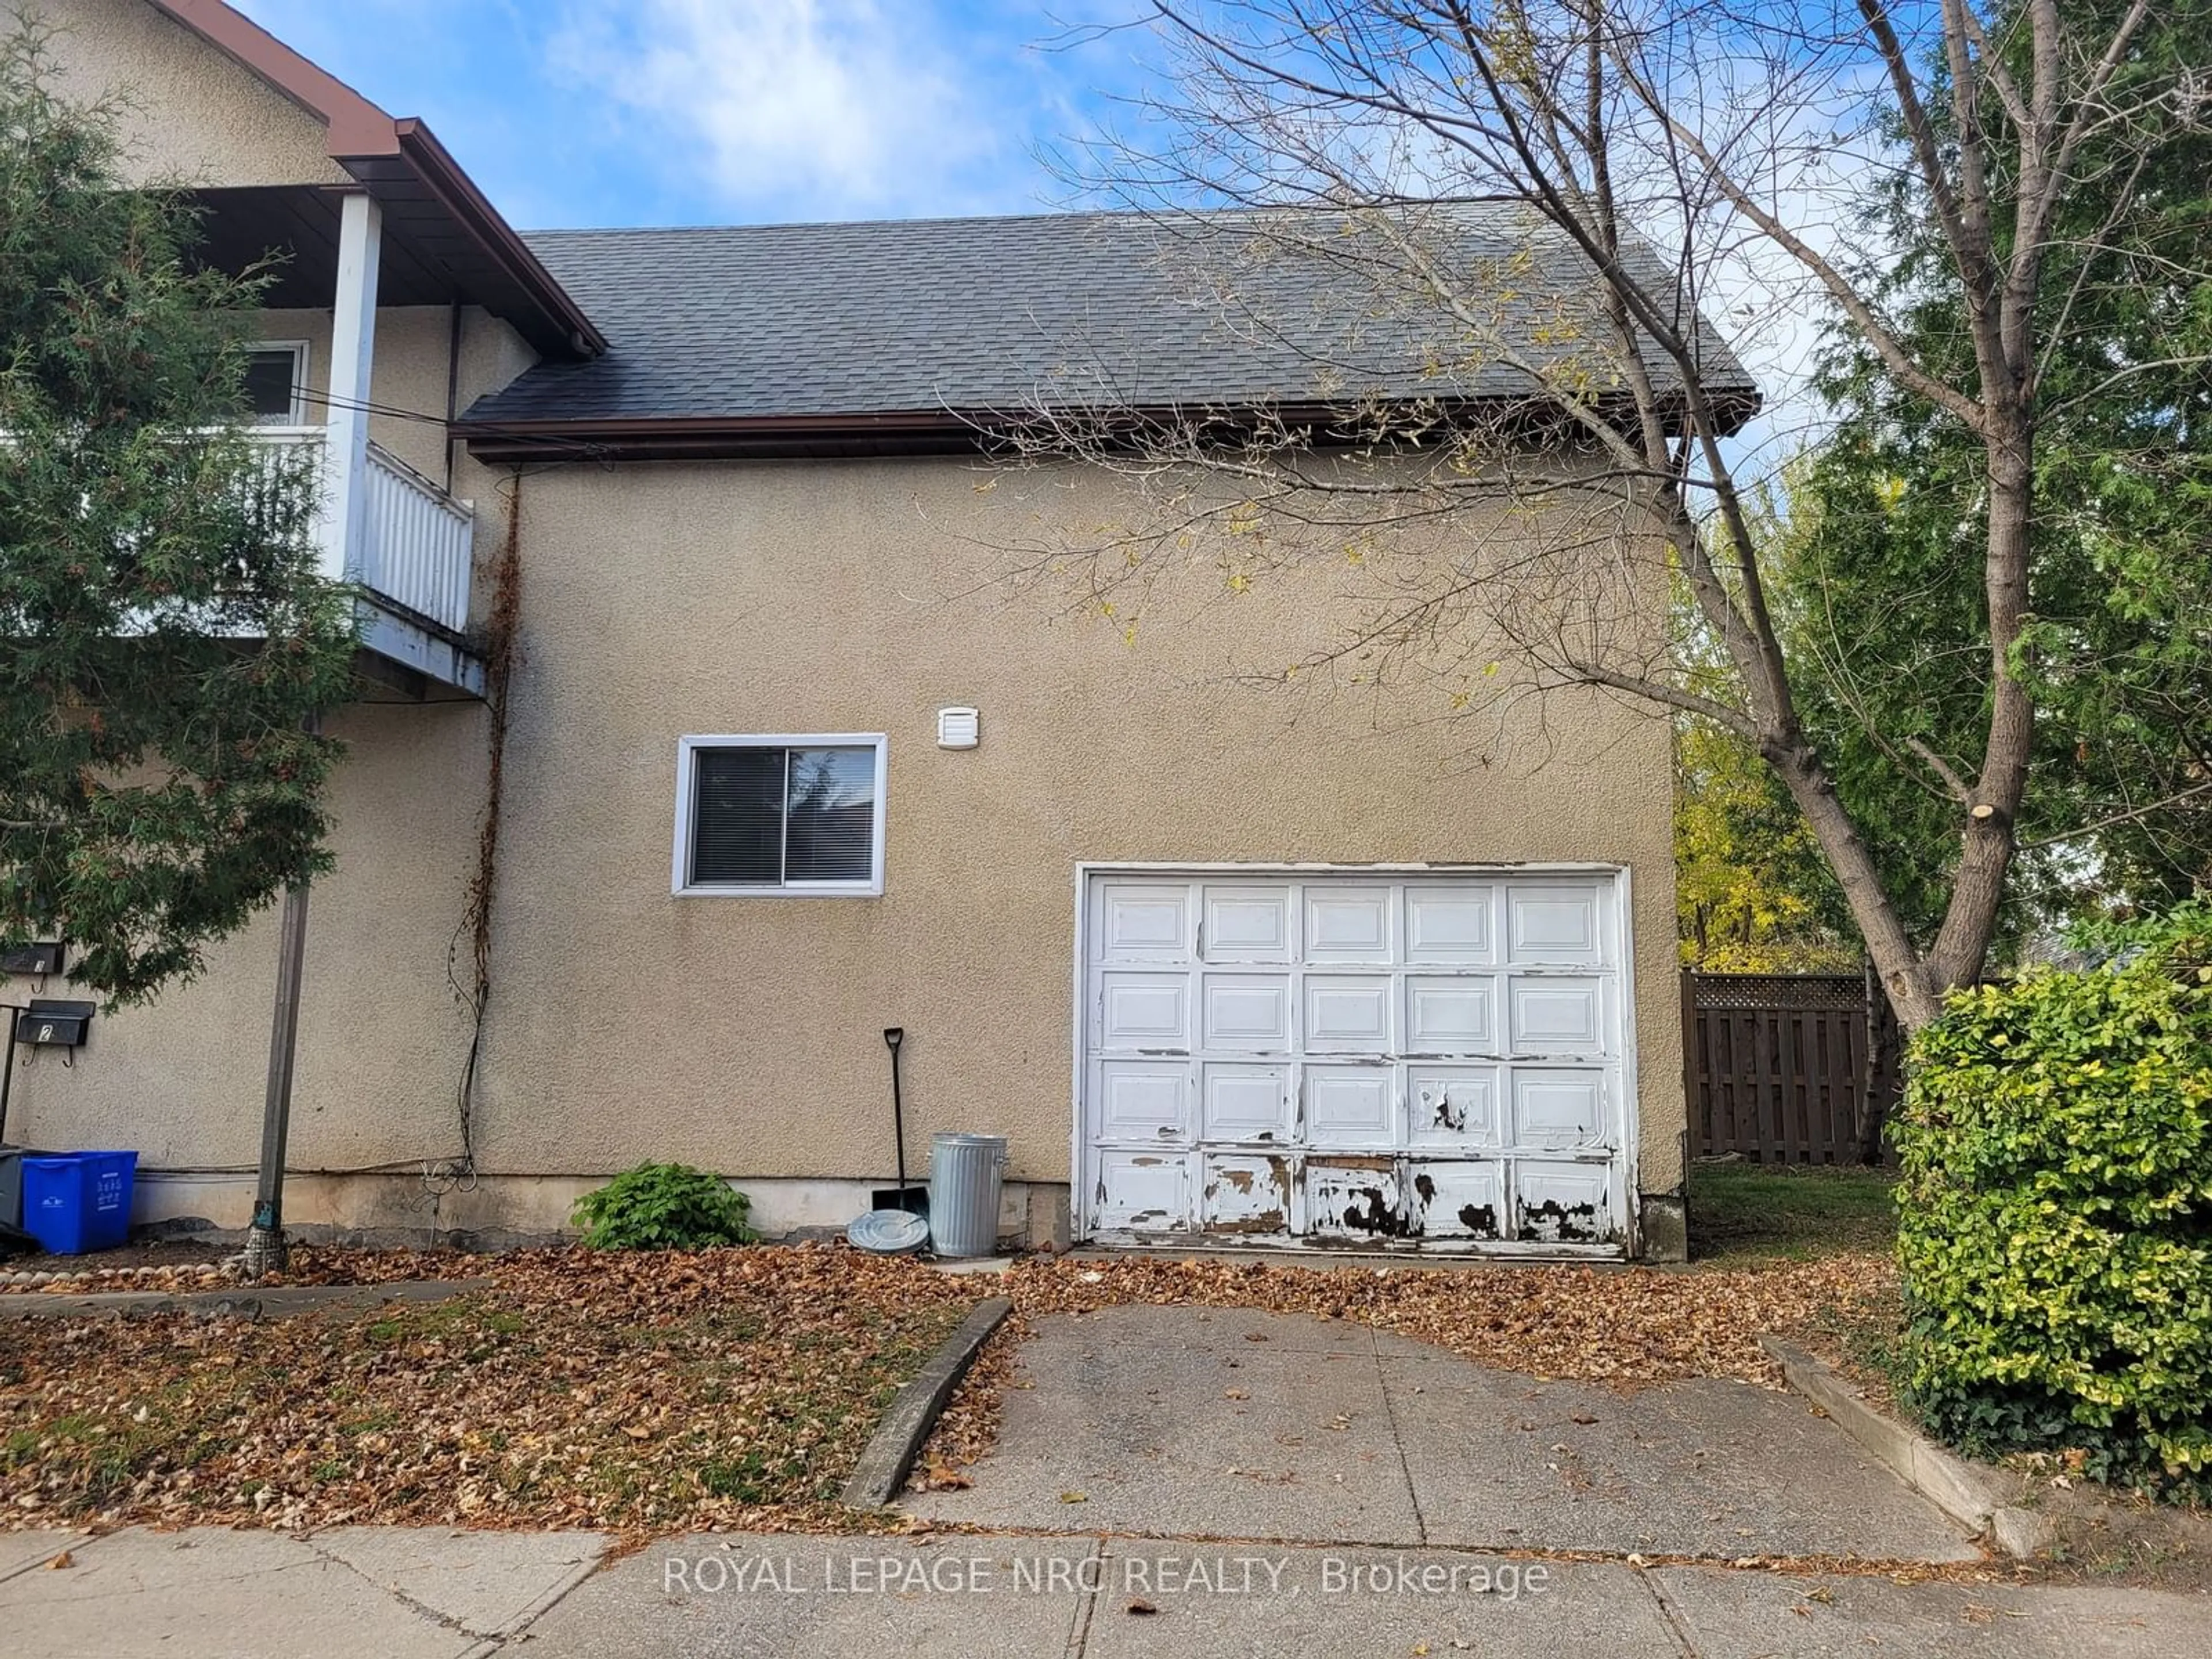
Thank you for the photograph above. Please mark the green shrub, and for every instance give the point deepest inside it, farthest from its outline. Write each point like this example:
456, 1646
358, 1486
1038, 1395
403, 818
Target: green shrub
2055, 1212
665, 1206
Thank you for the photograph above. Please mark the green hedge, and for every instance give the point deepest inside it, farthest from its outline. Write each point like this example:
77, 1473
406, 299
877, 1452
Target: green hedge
2056, 1212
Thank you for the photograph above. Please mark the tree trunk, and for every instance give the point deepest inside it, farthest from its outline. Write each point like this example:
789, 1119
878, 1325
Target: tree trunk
1903, 977
1987, 842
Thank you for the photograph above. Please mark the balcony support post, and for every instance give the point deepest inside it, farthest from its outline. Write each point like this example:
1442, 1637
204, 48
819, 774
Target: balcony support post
345, 513
352, 343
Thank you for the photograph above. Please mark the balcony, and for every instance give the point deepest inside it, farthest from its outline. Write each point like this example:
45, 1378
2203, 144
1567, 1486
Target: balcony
412, 558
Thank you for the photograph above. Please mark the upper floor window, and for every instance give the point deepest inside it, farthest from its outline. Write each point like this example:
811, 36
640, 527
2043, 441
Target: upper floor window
780, 815
277, 383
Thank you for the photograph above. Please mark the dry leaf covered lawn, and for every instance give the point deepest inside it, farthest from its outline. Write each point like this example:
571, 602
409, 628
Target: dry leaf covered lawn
730, 1388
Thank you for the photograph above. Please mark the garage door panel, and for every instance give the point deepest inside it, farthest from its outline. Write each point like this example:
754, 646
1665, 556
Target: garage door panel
1354, 1198
1561, 1203
1246, 1102
1247, 924
1348, 1013
1143, 1010
1142, 1191
1245, 1193
1554, 924
1556, 1107
1458, 1201
1350, 1105
1140, 1100
1245, 1012
1427, 1059
1143, 921
1349, 923
1454, 1106
1557, 1015
1450, 924
1447, 1016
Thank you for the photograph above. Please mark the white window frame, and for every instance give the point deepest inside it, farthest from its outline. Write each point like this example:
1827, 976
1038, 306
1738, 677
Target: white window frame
302, 361
686, 748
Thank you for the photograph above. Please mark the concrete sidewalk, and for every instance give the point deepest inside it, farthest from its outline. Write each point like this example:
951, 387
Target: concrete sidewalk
394, 1592
399, 1593
1177, 1422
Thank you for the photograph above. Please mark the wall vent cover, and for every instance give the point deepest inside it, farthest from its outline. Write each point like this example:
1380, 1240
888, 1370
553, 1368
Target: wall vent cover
957, 728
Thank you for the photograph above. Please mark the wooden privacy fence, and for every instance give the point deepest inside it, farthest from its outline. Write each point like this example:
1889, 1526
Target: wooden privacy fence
1788, 1068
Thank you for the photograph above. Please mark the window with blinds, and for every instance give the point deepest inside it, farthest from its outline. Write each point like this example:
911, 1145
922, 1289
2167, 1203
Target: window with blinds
275, 384
795, 815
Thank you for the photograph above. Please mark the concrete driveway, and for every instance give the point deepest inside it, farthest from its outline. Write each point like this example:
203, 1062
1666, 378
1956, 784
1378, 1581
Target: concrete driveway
1219, 1423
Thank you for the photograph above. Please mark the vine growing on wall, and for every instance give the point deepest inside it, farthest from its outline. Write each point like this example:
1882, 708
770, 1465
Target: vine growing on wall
472, 986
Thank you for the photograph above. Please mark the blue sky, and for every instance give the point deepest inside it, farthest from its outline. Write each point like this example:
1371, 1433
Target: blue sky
571, 113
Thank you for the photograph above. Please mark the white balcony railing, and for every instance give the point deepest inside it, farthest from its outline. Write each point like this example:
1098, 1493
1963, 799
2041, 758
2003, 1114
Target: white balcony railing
420, 543
417, 543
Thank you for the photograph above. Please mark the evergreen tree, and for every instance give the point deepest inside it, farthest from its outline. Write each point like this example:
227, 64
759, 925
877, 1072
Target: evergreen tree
165, 640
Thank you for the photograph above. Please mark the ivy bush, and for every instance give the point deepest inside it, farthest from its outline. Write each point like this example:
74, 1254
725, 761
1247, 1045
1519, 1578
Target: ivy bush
2055, 1211
665, 1206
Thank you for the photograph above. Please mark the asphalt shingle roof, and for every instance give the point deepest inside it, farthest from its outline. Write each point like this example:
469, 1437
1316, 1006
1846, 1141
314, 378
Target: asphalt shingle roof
1081, 310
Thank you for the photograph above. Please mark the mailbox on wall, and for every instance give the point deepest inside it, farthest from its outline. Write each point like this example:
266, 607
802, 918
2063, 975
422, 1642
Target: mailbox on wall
42, 958
54, 1022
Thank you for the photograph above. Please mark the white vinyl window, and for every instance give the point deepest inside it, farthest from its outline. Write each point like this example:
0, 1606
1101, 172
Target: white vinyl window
276, 382
780, 815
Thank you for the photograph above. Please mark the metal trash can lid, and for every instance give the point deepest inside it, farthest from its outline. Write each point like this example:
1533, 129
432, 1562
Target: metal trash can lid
959, 1138
889, 1232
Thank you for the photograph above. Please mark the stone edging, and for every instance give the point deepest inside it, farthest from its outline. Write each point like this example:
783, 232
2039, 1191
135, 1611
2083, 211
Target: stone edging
891, 1451
37, 1278
1984, 1500
238, 1301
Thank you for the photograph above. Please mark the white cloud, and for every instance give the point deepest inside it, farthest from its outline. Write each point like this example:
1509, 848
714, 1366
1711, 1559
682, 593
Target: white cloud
833, 106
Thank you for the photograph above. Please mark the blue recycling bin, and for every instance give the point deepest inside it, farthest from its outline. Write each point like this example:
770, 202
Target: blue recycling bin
74, 1202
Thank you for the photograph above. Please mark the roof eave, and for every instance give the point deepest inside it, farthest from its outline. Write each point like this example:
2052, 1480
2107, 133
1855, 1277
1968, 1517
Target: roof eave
358, 135
443, 177
896, 432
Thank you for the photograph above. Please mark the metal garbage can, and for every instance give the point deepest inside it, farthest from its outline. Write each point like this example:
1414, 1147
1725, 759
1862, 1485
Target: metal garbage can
965, 1175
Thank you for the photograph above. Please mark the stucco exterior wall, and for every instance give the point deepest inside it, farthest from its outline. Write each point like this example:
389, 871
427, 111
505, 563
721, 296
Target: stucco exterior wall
745, 1033
381, 1037
182, 1079
190, 116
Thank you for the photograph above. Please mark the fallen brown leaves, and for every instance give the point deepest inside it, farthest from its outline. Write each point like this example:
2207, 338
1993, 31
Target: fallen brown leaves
1594, 1324
968, 1426
731, 1388
310, 1265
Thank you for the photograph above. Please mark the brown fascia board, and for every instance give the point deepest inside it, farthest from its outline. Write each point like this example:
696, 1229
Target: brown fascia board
442, 176
910, 432
358, 133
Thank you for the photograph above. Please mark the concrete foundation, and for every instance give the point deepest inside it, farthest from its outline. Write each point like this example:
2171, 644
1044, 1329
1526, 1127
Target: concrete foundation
494, 1210
1666, 1226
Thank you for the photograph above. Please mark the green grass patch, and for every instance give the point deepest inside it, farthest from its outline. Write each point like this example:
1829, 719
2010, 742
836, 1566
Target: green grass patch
1752, 1210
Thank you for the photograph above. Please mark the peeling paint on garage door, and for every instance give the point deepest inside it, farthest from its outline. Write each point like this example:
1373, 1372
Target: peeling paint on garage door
1434, 1059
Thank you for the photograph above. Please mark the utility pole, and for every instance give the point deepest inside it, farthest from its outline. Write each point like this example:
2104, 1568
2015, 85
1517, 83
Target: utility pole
265, 1250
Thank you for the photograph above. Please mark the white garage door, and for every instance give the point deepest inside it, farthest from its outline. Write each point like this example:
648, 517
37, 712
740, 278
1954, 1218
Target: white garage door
1437, 1060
